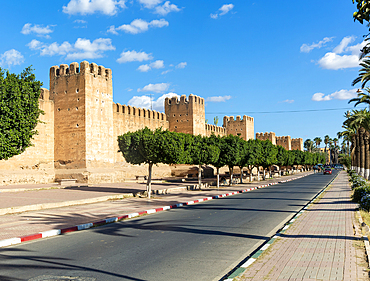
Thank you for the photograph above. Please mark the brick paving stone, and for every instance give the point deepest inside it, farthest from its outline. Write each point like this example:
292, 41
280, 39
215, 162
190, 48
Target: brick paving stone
319, 245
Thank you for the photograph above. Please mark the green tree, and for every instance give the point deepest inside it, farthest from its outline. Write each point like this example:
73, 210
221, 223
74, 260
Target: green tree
19, 111
281, 157
308, 145
202, 152
215, 120
317, 141
244, 157
362, 98
298, 158
269, 152
152, 147
230, 153
361, 15
220, 161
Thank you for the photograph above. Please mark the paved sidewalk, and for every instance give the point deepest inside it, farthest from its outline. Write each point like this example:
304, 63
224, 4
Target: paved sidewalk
321, 244
33, 222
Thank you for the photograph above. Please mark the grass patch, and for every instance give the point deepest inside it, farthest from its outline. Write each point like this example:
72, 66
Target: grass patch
365, 216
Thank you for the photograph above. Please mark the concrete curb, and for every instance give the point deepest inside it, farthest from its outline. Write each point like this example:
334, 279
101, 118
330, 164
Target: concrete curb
239, 270
54, 232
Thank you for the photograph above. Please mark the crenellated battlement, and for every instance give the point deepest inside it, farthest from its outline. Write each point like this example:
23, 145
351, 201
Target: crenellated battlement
139, 112
284, 141
186, 114
192, 99
44, 94
243, 127
283, 138
238, 118
83, 68
265, 136
297, 144
213, 129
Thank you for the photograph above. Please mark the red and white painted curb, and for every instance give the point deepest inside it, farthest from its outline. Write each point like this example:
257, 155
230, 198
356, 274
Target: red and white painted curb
54, 232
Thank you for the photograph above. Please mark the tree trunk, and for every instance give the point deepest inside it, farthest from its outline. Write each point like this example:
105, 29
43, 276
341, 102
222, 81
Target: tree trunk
250, 174
264, 174
149, 181
241, 174
362, 152
358, 153
258, 173
199, 175
367, 156
231, 170
218, 177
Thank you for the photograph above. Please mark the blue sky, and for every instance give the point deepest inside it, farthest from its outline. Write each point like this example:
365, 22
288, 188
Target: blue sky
285, 63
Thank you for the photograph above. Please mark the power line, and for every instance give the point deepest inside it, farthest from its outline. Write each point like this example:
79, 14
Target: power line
283, 111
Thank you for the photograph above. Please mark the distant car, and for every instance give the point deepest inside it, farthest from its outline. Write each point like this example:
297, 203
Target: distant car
327, 170
338, 167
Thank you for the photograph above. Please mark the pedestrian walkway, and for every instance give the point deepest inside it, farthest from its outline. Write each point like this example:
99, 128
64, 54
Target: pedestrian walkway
321, 244
106, 199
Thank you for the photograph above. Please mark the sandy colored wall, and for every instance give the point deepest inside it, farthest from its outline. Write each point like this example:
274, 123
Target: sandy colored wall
36, 164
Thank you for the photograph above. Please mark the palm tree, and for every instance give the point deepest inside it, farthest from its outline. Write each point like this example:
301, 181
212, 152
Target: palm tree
346, 134
359, 121
308, 145
335, 140
362, 97
364, 75
317, 140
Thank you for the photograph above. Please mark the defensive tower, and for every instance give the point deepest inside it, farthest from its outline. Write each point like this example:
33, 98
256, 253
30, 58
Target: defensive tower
285, 142
243, 127
83, 119
267, 136
297, 144
186, 115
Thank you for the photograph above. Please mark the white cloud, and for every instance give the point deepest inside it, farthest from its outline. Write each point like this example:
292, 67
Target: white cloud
130, 56
144, 68
81, 49
85, 7
166, 8
147, 102
182, 65
11, 57
166, 71
138, 26
339, 95
150, 4
156, 88
288, 101
343, 44
218, 98
80, 21
222, 11
38, 29
157, 64
308, 48
336, 60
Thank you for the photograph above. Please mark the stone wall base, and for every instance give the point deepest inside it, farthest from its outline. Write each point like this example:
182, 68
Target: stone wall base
26, 177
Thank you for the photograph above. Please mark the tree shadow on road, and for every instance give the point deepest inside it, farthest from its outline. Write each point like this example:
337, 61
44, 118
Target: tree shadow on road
22, 260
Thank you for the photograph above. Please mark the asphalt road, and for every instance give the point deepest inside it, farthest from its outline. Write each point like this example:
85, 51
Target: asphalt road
198, 242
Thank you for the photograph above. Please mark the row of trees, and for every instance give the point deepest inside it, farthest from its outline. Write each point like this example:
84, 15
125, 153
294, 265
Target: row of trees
332, 145
356, 127
153, 147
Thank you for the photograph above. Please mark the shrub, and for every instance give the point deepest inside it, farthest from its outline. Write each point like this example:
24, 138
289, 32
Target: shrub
365, 202
360, 192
